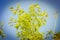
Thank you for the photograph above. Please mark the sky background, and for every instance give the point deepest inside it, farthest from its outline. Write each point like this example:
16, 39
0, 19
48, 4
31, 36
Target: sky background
51, 6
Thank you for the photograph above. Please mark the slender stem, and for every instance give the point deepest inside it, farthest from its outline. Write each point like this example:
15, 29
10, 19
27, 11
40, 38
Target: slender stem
56, 16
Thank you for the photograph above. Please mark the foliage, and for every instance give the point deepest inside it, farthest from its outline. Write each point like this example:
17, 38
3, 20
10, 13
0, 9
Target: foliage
56, 36
28, 23
2, 34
